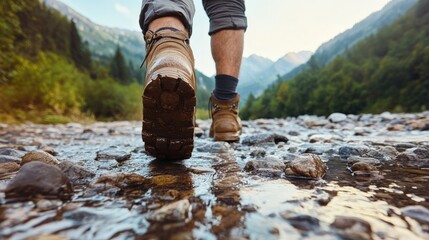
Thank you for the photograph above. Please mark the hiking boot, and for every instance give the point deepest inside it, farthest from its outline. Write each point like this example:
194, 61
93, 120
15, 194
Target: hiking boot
226, 124
169, 95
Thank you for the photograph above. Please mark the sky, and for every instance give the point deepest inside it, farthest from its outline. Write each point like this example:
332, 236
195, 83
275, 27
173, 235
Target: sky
276, 27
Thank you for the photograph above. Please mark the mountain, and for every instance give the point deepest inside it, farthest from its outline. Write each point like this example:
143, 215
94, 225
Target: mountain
102, 41
369, 26
257, 72
387, 71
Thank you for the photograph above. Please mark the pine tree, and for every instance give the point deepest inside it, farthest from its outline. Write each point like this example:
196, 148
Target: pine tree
119, 69
79, 54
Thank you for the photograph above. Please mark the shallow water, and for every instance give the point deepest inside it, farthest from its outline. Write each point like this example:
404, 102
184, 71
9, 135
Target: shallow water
225, 202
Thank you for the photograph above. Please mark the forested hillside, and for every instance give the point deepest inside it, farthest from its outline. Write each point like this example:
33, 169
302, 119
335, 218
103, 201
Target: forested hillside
47, 75
387, 71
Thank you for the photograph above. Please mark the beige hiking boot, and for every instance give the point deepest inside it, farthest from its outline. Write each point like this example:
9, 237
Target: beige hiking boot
169, 95
226, 124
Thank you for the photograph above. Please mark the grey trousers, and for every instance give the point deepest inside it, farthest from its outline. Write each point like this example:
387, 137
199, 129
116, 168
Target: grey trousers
223, 14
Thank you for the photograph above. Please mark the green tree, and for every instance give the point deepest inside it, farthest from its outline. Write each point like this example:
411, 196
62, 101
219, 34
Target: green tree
119, 69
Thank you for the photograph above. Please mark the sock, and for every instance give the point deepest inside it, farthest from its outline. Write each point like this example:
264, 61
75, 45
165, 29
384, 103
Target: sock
225, 87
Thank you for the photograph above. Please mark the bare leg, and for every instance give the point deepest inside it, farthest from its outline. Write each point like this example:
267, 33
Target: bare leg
166, 22
227, 50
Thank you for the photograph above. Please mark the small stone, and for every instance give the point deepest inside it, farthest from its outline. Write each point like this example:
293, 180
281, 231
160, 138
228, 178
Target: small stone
122, 180
387, 116
40, 156
198, 132
363, 166
389, 153
368, 160
11, 152
307, 165
39, 179
404, 146
337, 117
45, 204
396, 127
414, 157
352, 228
358, 150
113, 154
264, 138
294, 133
249, 208
214, 147
173, 212
77, 174
50, 150
258, 153
270, 162
8, 167
416, 212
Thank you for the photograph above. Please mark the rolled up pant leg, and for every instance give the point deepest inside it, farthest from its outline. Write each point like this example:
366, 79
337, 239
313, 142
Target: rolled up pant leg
152, 9
225, 14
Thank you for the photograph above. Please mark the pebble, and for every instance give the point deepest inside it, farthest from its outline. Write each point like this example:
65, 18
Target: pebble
122, 180
77, 174
352, 228
367, 160
113, 154
7, 159
214, 147
36, 179
11, 152
258, 153
363, 166
264, 138
301, 222
307, 165
337, 117
414, 157
40, 156
358, 150
173, 212
269, 162
8, 167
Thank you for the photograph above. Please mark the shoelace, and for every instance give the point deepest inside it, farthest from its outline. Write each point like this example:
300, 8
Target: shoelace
155, 38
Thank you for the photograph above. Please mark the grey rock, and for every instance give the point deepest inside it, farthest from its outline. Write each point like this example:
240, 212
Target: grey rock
113, 154
121, 180
352, 228
40, 156
36, 179
367, 160
77, 174
404, 146
301, 221
6, 159
214, 147
414, 157
270, 162
174, 212
264, 138
258, 153
337, 117
363, 166
416, 212
307, 165
358, 150
11, 152
387, 116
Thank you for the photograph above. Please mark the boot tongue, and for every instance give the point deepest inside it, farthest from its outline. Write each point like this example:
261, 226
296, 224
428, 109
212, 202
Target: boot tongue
166, 32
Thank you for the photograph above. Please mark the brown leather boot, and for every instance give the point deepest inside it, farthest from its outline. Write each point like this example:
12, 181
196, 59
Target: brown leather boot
226, 124
169, 95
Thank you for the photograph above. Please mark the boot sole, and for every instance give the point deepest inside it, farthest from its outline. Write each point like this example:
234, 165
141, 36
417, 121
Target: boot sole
168, 116
227, 137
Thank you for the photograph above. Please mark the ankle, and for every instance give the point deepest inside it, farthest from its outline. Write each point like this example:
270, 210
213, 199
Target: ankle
166, 22
225, 87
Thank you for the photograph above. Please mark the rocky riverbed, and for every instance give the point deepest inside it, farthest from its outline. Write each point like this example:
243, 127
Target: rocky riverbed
341, 177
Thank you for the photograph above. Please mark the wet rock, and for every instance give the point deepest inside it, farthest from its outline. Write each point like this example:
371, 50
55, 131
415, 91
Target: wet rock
317, 148
387, 116
323, 138
404, 146
301, 222
164, 180
39, 156
77, 174
50, 150
416, 212
45, 204
39, 179
173, 212
258, 153
352, 228
7, 159
396, 127
363, 167
419, 124
214, 147
414, 157
122, 180
198, 132
389, 153
294, 133
11, 152
113, 154
337, 117
264, 138
307, 165
269, 162
8, 167
269, 166
249, 208
358, 150
367, 160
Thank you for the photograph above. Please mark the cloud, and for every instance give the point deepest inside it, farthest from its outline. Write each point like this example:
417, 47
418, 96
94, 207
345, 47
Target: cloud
122, 9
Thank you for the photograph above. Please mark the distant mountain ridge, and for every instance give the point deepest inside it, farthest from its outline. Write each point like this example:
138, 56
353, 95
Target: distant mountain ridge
370, 25
257, 72
103, 40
